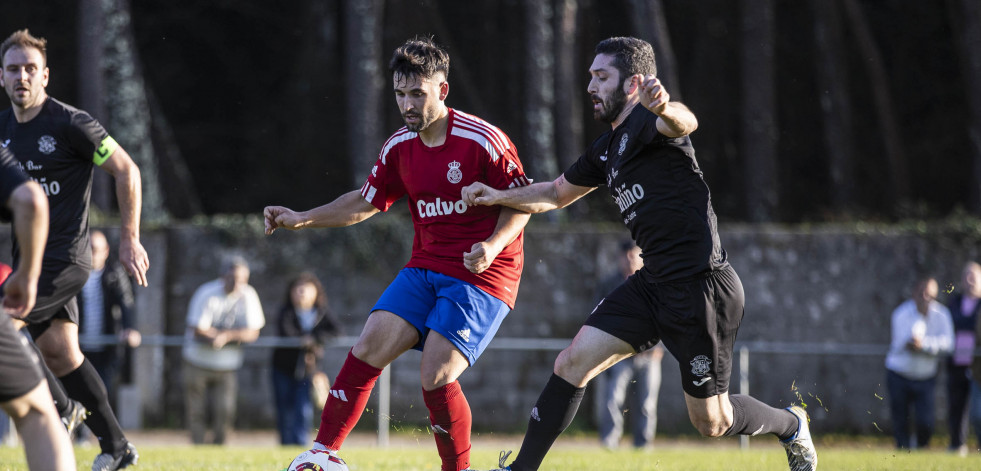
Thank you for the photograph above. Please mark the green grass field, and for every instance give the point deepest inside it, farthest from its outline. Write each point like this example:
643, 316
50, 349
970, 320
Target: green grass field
708, 456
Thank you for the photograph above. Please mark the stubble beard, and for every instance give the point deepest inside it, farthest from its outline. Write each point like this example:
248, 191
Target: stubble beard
612, 107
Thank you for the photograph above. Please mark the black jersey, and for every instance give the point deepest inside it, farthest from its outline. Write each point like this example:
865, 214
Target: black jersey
663, 199
59, 149
11, 177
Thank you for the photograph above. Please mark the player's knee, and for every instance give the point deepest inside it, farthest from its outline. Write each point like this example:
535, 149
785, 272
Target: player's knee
711, 427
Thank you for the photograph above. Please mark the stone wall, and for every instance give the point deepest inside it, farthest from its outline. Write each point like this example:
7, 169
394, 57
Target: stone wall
821, 286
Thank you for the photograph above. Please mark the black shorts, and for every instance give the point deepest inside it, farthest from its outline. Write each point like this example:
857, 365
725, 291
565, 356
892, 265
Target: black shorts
20, 371
697, 319
56, 299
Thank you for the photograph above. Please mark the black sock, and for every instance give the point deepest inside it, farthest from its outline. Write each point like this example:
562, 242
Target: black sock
85, 386
553, 412
54, 385
752, 417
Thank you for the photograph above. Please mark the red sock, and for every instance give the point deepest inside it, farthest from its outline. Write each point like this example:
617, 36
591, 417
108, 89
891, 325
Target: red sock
348, 397
449, 413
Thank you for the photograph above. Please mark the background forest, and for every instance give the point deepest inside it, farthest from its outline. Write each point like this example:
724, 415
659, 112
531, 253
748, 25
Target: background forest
810, 110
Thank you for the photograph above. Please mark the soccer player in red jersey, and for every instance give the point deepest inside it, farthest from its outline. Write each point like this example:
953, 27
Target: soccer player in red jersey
462, 278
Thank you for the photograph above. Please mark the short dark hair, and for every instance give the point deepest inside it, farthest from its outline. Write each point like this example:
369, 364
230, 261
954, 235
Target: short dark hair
420, 56
630, 55
24, 39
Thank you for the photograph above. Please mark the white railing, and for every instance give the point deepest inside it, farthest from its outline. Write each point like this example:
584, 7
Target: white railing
513, 343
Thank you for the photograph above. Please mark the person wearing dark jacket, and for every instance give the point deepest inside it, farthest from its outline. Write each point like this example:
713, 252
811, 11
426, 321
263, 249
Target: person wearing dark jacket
304, 316
105, 310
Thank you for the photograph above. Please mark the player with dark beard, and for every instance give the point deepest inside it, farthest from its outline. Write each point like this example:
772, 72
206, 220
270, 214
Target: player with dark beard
686, 295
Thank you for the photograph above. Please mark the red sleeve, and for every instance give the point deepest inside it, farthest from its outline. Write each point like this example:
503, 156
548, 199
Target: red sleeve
384, 186
507, 171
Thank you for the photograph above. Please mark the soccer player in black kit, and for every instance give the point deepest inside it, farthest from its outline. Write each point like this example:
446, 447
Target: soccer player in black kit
686, 295
59, 146
23, 391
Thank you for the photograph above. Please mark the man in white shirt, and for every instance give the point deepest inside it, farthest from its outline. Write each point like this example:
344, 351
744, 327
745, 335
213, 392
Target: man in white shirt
922, 331
223, 314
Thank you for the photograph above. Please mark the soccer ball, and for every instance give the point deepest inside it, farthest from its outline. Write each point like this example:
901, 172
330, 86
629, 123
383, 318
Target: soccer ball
317, 460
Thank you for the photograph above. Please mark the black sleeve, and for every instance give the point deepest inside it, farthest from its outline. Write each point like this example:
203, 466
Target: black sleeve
120, 292
287, 323
87, 136
11, 177
326, 329
589, 170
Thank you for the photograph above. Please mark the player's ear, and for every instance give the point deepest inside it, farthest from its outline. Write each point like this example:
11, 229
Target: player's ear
633, 83
444, 89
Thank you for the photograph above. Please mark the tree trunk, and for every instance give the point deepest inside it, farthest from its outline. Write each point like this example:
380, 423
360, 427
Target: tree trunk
538, 126
91, 86
759, 127
969, 40
365, 78
127, 107
648, 23
899, 186
568, 101
832, 76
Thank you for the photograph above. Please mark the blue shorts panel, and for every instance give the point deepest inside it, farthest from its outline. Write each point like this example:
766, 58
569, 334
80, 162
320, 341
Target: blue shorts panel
464, 314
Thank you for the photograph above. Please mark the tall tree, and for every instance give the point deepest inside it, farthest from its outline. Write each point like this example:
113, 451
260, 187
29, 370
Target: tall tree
649, 23
898, 190
127, 110
91, 87
568, 103
758, 140
969, 41
363, 70
836, 110
539, 128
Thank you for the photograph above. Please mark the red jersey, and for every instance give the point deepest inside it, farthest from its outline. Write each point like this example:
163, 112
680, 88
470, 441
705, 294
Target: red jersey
433, 177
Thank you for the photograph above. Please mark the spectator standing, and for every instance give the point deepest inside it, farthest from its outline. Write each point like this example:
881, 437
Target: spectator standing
643, 370
223, 314
304, 316
964, 307
105, 308
921, 332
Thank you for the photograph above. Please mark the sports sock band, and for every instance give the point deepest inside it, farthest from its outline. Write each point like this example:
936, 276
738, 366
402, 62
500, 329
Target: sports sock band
450, 416
85, 386
553, 412
752, 417
54, 385
348, 397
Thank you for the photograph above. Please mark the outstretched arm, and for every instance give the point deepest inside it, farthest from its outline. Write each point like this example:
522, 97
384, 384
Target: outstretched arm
509, 224
349, 208
30, 208
129, 194
673, 118
534, 198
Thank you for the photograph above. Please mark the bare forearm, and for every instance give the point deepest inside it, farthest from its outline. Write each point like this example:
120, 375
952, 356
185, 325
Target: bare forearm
129, 194
534, 198
348, 209
676, 120
509, 225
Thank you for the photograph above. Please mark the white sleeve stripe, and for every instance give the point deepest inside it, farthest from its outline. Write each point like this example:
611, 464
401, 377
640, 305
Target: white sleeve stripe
478, 130
480, 139
488, 128
396, 138
368, 192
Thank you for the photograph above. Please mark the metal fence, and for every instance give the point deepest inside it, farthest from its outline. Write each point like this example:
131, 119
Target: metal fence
743, 349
